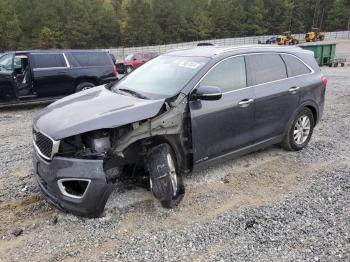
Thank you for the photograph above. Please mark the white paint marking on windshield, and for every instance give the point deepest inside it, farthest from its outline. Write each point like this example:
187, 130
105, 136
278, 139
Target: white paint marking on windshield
188, 64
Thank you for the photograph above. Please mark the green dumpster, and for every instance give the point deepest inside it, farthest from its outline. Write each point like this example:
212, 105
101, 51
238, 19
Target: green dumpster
324, 52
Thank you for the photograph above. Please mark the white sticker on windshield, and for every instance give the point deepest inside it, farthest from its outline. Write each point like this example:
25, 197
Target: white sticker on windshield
189, 64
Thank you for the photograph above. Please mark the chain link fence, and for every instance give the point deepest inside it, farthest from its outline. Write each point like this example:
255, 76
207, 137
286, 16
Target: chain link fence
121, 53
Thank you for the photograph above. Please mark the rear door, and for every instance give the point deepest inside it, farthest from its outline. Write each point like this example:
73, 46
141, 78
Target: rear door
50, 74
225, 125
7, 83
276, 96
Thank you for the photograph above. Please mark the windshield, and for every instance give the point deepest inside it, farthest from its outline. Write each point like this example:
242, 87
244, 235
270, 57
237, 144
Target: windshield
129, 58
162, 77
6, 62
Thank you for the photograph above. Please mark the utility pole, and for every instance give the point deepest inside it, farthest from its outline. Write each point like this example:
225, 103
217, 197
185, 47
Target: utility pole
291, 17
321, 19
313, 19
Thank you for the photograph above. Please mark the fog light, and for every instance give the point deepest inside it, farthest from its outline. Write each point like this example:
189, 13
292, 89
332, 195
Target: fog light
74, 188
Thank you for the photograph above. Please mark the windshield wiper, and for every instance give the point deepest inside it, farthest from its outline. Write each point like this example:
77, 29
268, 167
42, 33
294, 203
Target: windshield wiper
132, 92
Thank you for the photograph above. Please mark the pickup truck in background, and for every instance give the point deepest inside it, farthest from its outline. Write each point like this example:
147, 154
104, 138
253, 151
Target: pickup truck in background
133, 61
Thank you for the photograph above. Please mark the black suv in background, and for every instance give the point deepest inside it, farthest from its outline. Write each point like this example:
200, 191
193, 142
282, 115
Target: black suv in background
30, 76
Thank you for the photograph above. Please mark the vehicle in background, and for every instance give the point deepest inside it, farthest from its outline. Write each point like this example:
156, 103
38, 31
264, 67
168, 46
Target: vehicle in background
271, 40
182, 111
134, 61
314, 35
286, 38
40, 75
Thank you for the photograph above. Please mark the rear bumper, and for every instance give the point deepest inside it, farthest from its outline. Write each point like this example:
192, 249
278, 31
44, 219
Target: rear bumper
93, 201
320, 111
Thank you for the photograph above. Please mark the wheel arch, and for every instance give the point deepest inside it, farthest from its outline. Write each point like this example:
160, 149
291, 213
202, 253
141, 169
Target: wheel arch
132, 151
314, 112
83, 79
175, 143
307, 104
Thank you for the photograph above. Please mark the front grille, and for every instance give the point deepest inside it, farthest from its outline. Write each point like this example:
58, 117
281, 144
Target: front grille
43, 143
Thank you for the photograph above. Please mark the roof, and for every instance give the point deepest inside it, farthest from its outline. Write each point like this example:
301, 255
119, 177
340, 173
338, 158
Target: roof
212, 51
57, 50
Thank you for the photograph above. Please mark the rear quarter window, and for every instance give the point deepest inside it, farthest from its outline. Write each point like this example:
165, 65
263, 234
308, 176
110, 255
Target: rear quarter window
264, 68
294, 66
84, 59
48, 61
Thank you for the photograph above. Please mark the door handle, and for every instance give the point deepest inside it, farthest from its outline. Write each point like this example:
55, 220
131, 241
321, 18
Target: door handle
246, 102
293, 90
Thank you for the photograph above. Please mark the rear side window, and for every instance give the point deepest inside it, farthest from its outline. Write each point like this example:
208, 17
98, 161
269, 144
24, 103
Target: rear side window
83, 59
265, 68
294, 66
48, 61
228, 75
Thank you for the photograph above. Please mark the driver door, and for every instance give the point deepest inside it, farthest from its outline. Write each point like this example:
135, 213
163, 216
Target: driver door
223, 126
7, 82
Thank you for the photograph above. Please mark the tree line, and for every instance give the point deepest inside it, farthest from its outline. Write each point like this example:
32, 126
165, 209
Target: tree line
110, 23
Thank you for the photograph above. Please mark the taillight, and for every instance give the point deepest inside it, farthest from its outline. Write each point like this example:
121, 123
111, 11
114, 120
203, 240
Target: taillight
324, 81
115, 71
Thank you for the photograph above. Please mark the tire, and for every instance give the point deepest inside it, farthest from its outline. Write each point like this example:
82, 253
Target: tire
299, 132
342, 64
84, 86
165, 180
129, 69
335, 64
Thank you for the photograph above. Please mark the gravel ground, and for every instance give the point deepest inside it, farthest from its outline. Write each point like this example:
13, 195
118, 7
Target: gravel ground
271, 205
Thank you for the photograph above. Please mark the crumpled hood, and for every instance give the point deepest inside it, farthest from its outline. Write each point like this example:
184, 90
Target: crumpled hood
93, 109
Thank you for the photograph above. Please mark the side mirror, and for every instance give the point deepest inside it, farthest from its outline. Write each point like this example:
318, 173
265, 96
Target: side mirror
209, 93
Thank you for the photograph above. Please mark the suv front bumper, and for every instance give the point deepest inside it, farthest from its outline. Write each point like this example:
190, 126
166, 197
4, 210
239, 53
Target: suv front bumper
50, 174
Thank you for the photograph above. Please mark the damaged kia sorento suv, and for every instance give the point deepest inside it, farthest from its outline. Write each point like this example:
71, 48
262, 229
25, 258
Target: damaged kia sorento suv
181, 111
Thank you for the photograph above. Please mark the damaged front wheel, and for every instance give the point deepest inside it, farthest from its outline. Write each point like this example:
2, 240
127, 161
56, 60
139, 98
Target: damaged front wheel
165, 180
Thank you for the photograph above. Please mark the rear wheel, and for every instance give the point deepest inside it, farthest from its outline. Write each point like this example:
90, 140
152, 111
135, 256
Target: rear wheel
165, 180
84, 86
300, 131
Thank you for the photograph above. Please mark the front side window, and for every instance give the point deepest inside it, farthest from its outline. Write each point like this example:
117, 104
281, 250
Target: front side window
294, 66
48, 61
163, 76
138, 57
6, 62
264, 68
228, 75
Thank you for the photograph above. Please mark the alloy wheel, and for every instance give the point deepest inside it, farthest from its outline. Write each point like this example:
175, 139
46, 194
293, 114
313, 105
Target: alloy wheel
302, 130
